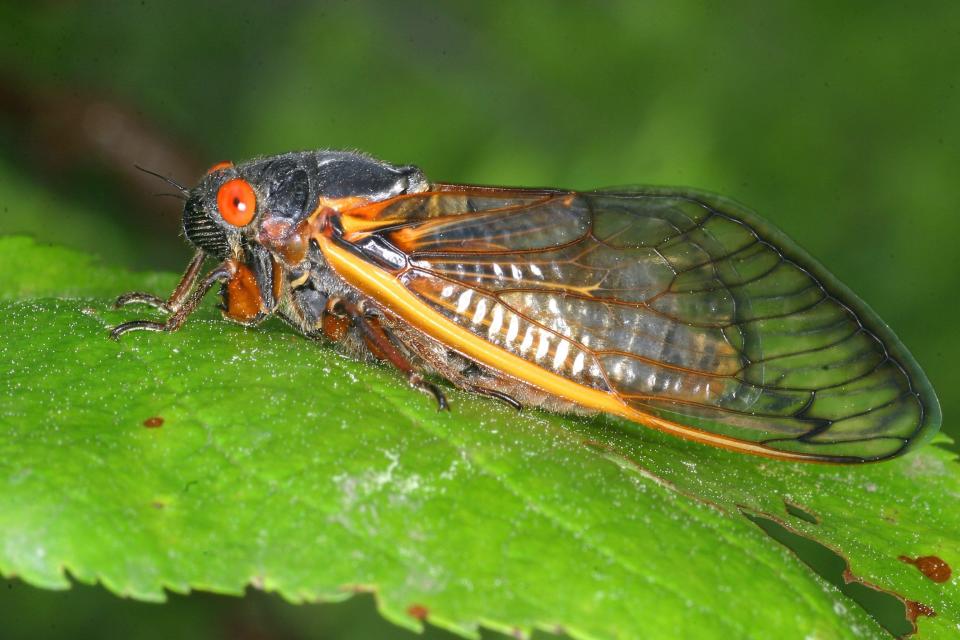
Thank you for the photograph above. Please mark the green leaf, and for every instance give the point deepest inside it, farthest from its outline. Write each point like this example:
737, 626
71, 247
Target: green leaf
30, 209
283, 465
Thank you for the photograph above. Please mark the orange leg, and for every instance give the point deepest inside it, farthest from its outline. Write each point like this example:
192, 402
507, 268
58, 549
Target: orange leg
185, 304
176, 299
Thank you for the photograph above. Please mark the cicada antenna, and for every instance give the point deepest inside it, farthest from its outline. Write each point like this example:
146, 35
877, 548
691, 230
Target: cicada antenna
169, 181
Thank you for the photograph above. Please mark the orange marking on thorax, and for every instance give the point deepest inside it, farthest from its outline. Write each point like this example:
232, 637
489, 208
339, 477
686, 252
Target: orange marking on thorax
358, 215
285, 239
291, 240
351, 203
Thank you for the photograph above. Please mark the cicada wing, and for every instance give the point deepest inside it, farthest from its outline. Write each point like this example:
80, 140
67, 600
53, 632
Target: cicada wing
684, 305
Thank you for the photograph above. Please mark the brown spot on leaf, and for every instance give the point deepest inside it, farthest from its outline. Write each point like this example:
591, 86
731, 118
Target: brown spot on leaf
359, 588
154, 422
917, 609
418, 611
931, 566
158, 504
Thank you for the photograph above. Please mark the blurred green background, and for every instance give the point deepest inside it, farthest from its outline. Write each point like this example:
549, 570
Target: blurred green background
840, 122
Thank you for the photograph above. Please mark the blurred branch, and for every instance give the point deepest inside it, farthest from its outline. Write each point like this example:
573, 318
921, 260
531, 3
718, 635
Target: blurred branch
63, 130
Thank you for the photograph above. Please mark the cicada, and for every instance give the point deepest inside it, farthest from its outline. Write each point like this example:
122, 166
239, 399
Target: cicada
678, 310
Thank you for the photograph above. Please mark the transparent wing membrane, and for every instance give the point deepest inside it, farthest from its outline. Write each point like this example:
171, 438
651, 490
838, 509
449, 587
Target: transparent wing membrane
683, 305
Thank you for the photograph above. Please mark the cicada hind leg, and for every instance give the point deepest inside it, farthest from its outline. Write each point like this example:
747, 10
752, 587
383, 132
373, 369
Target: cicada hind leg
462, 372
379, 342
181, 303
387, 346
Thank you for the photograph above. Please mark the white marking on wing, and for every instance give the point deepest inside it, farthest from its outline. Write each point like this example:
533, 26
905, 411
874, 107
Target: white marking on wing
497, 321
480, 312
578, 364
563, 348
527, 340
514, 328
464, 301
544, 345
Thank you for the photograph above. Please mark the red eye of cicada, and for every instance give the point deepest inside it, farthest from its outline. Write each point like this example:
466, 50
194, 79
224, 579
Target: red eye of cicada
237, 202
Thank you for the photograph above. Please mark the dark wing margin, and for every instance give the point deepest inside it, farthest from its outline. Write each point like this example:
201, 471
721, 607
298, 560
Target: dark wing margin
684, 305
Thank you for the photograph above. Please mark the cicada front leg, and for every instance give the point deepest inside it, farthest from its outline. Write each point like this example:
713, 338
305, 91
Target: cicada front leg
179, 295
184, 301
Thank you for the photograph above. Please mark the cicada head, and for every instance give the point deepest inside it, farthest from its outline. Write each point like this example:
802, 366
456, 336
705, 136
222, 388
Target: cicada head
221, 210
